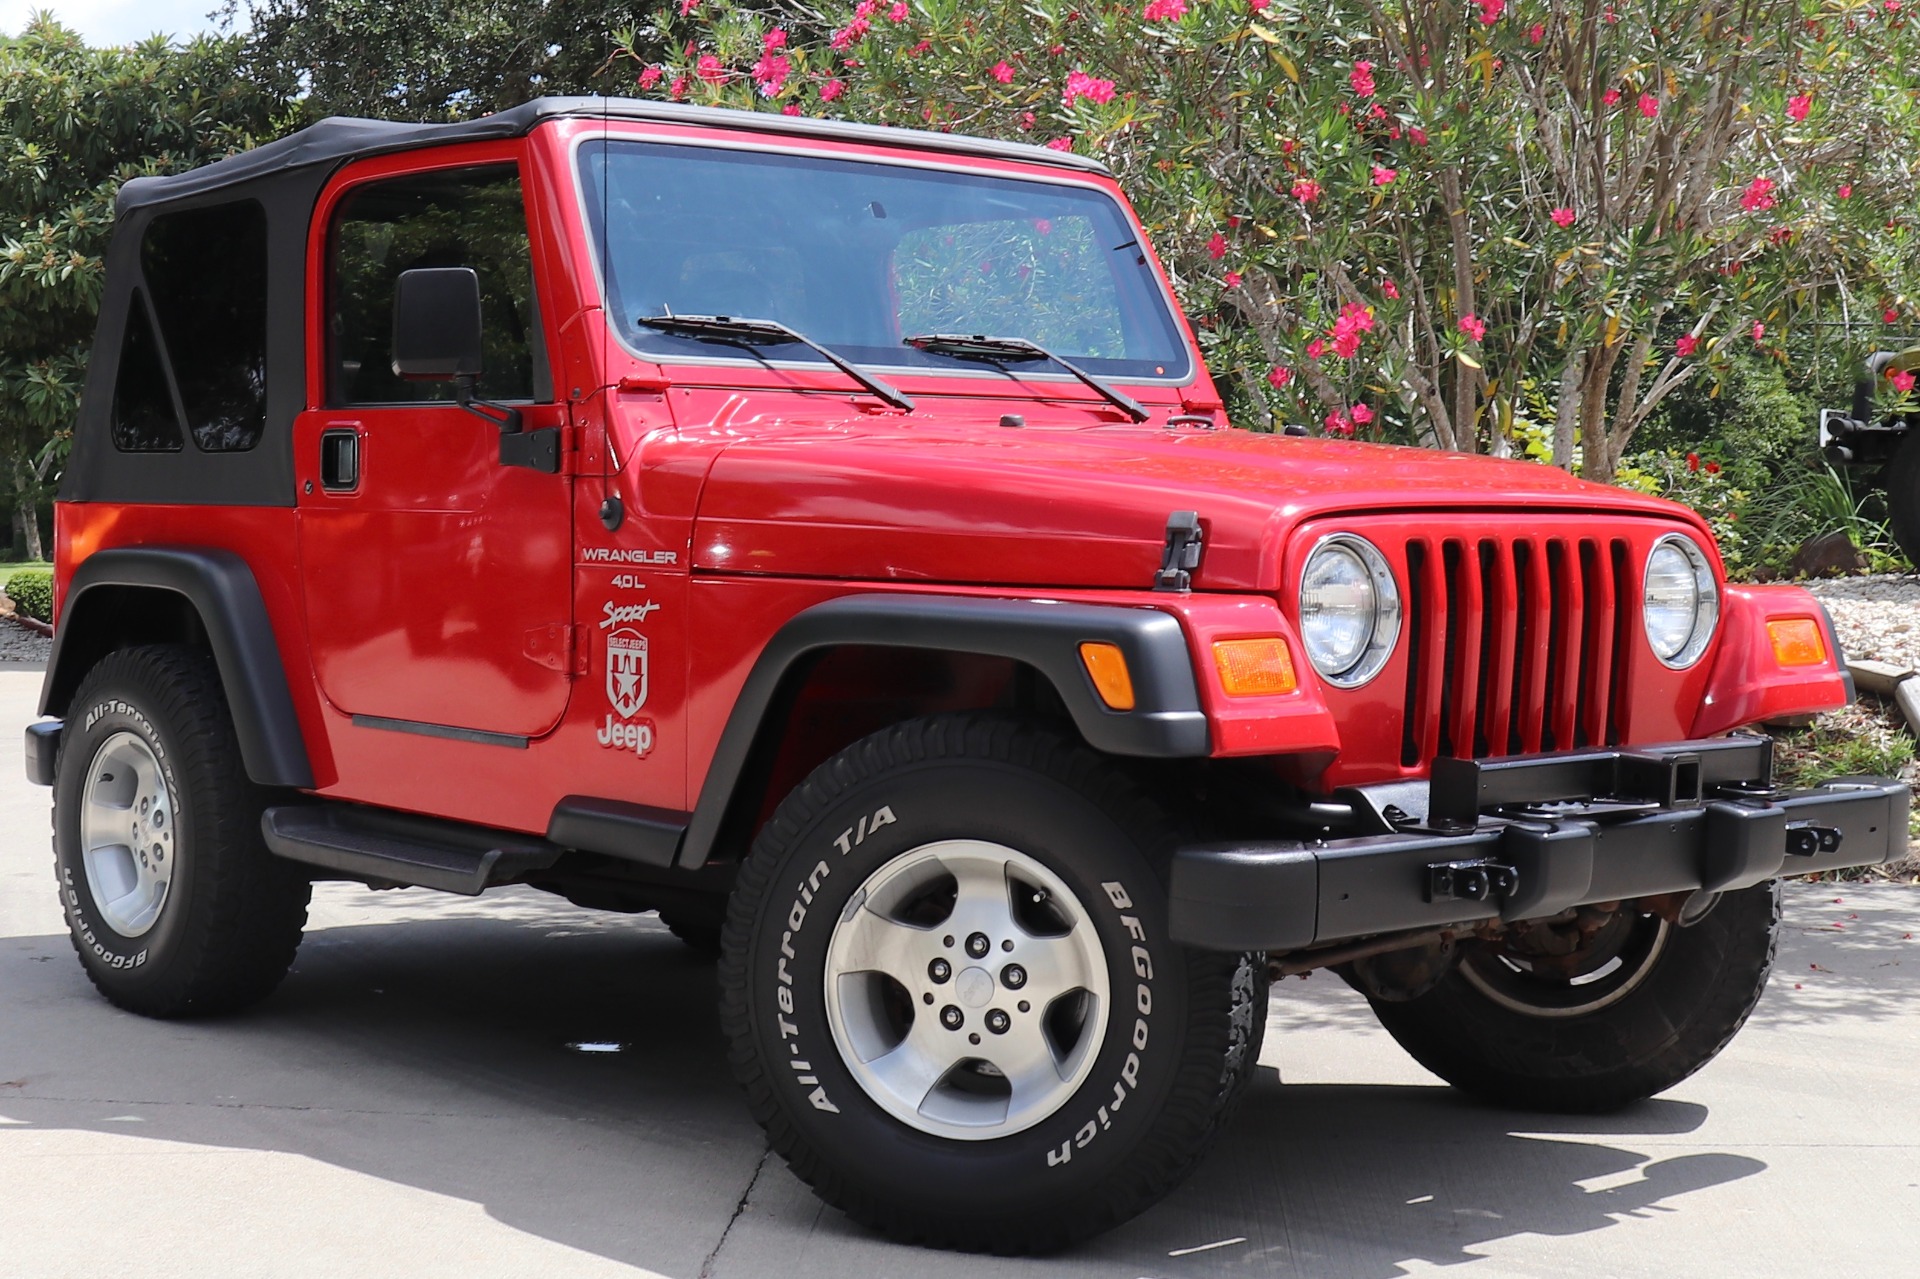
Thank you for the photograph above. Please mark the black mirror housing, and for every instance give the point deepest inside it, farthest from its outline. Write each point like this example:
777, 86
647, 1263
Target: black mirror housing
436, 324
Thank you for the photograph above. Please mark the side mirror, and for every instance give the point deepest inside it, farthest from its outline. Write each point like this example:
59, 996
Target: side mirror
436, 324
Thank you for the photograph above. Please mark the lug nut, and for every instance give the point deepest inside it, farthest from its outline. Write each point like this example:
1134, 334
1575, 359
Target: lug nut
1013, 976
939, 970
978, 945
951, 1018
998, 1022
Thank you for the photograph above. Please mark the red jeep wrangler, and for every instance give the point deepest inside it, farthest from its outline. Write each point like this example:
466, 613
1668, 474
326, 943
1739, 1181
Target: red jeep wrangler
828, 537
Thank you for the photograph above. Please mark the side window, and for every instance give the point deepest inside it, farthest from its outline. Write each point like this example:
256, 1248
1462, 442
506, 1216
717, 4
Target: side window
1046, 275
206, 274
143, 416
451, 217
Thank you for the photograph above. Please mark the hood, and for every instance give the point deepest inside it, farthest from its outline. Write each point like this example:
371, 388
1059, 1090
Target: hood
890, 499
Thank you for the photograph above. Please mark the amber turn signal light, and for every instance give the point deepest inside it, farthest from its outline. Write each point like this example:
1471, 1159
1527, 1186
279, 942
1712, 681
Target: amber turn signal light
1108, 667
1797, 642
1255, 667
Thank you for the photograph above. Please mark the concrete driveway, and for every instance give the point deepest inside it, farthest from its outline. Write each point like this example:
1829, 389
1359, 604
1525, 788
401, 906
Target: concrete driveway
412, 1103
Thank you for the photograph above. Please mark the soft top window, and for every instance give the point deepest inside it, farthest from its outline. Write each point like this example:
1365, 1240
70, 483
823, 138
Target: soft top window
206, 275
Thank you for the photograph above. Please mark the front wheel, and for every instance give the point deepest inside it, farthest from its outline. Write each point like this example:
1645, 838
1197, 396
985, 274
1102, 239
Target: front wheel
951, 997
1596, 1012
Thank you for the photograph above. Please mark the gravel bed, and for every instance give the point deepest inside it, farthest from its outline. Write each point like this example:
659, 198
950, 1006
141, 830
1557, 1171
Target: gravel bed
1878, 617
18, 644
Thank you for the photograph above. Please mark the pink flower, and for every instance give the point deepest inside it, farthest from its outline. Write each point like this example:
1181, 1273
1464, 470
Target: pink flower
1693, 462
770, 73
1258, 6
775, 39
1233, 279
1043, 226
1361, 414
920, 48
679, 89
1902, 380
1846, 191
832, 89
1780, 235
1361, 79
1758, 195
1797, 107
1278, 376
1081, 85
897, 14
792, 108
1490, 10
1759, 331
851, 34
1026, 120
1536, 33
688, 6
1649, 105
1306, 190
650, 77
1060, 144
1611, 97
1390, 289
1376, 112
1337, 424
1417, 136
1346, 345
1316, 349
1891, 6
1384, 177
1357, 316
1686, 346
1473, 326
1712, 468
1002, 72
1217, 246
1891, 315
1164, 11
708, 68
1563, 218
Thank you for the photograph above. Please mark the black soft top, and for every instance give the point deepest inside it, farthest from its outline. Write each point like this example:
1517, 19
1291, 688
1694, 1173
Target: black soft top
340, 138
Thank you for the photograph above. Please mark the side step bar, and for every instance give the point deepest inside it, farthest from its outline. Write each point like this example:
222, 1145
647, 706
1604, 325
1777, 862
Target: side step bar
400, 849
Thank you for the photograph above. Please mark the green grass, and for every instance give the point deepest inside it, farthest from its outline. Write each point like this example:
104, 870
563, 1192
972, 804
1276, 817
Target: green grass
8, 570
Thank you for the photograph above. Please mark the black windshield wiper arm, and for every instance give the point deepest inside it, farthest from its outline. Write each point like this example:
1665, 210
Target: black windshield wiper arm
727, 328
980, 347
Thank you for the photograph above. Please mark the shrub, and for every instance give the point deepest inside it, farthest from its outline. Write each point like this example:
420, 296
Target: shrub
31, 590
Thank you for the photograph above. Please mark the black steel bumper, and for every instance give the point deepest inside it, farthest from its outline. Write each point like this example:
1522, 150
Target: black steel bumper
1529, 837
43, 744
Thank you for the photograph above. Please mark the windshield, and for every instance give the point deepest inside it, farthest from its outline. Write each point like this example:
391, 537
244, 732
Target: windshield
859, 255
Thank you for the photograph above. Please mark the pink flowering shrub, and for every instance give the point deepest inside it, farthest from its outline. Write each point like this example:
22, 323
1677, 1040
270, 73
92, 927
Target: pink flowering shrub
1510, 227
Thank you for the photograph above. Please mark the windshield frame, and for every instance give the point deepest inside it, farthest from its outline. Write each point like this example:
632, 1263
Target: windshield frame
1159, 289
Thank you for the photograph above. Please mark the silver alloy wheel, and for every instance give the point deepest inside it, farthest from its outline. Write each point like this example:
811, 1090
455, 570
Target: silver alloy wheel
967, 990
127, 817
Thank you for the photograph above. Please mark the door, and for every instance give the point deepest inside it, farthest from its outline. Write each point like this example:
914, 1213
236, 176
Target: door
437, 578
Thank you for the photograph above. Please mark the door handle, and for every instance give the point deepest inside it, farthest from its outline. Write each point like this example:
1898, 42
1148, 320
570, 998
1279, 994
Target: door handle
340, 459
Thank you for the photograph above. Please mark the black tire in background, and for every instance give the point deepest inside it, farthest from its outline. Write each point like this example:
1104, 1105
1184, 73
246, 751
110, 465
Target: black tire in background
1902, 479
1626, 1036
1181, 1038
224, 930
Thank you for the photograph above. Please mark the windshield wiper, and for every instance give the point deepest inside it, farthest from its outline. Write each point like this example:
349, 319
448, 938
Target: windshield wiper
980, 347
727, 328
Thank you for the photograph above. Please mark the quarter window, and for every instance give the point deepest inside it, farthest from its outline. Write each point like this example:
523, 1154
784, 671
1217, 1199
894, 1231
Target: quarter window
206, 274
453, 217
143, 416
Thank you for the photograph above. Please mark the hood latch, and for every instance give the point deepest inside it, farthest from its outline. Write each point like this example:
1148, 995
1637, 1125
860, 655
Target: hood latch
1182, 553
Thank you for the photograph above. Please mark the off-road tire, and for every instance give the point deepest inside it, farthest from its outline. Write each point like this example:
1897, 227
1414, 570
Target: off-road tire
1698, 991
1091, 1162
1903, 495
231, 919
697, 935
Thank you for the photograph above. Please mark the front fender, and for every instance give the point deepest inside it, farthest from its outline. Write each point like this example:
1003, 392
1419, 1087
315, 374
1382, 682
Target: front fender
1748, 683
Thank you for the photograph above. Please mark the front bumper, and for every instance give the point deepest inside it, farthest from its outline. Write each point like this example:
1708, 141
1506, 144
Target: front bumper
1529, 837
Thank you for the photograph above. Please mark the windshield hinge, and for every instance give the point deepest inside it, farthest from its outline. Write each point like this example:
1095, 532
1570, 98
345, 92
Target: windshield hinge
1182, 553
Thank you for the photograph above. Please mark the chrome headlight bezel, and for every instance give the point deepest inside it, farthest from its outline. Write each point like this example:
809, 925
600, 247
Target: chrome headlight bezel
1706, 602
1384, 624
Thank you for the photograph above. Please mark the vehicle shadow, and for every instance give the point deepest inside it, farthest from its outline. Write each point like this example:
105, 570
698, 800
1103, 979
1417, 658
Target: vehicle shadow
439, 1053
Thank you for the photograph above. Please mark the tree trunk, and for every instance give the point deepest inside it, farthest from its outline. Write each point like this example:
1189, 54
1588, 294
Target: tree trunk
27, 512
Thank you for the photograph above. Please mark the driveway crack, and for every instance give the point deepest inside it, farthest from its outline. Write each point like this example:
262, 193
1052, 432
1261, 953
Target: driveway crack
706, 1267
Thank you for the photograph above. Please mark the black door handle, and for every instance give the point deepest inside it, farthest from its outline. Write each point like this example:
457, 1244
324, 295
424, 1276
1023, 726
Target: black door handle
340, 460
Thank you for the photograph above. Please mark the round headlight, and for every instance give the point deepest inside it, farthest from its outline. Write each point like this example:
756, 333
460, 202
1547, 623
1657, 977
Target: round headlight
1349, 610
1681, 604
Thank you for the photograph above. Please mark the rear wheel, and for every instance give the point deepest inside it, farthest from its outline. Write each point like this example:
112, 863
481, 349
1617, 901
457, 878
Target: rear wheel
172, 900
950, 994
1597, 1012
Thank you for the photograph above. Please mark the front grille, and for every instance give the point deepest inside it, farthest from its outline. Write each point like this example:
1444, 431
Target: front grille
1515, 644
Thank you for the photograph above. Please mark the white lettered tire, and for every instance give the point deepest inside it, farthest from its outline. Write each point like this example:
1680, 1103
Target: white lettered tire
950, 994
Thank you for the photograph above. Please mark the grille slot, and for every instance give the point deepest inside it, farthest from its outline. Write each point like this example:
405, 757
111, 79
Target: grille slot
1514, 645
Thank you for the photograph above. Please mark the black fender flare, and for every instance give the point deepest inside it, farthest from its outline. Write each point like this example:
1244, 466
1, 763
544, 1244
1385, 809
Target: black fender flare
222, 590
1166, 722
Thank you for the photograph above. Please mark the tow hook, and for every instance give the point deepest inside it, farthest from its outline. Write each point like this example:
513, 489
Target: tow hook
1470, 881
1804, 839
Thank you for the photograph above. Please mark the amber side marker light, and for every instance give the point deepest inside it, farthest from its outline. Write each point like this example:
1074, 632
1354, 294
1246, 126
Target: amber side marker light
1111, 679
1797, 642
1255, 667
